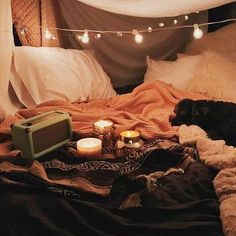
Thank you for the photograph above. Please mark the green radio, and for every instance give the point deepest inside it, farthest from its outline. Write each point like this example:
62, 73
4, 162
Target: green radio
41, 134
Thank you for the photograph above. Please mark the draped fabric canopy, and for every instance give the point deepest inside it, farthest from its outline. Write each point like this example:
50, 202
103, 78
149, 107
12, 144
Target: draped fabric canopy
6, 47
122, 58
155, 8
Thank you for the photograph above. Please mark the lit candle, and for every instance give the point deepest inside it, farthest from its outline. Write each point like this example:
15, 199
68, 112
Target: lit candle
104, 130
130, 145
102, 126
89, 148
130, 136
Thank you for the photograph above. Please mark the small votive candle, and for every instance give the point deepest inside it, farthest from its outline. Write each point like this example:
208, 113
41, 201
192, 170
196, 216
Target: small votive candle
89, 148
130, 137
104, 130
130, 145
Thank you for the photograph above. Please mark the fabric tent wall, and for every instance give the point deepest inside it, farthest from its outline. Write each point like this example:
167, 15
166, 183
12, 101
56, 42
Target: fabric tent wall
35, 16
154, 8
122, 58
6, 48
8, 103
7, 106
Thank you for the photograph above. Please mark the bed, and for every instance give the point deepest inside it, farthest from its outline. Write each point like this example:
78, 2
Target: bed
182, 184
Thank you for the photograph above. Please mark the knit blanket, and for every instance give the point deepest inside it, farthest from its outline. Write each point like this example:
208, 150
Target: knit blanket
146, 109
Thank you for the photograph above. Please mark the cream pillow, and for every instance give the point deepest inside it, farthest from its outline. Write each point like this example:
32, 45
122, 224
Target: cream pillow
176, 73
44, 73
215, 77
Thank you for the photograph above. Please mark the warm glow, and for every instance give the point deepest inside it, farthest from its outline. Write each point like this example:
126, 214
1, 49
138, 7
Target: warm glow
89, 147
197, 33
103, 124
85, 37
138, 38
149, 29
47, 34
98, 36
130, 134
119, 34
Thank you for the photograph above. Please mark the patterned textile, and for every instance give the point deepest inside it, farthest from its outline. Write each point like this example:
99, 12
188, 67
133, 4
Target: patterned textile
149, 196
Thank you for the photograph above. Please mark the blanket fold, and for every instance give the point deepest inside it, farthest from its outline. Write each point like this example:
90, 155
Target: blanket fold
146, 109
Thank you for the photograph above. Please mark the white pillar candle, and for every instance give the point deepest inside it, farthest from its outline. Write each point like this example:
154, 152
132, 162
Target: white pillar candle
89, 148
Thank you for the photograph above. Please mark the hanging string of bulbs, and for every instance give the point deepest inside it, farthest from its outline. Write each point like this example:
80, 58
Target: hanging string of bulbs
84, 35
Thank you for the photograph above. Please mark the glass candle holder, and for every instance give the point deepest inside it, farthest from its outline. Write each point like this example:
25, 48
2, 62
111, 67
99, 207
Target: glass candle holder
104, 130
129, 145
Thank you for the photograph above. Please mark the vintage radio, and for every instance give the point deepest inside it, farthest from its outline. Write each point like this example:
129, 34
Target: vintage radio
41, 134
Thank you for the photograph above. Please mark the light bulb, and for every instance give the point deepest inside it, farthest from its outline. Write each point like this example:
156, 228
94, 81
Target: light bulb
186, 17
78, 37
197, 33
161, 24
47, 34
23, 31
138, 38
175, 21
85, 37
98, 36
149, 29
119, 34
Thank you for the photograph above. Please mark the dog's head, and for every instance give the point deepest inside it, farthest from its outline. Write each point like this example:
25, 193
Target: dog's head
185, 113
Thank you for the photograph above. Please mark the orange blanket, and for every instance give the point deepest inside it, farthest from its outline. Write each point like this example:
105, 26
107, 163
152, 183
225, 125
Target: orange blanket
146, 109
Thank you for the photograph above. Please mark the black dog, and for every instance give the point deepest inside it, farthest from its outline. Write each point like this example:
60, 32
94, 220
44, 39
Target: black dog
217, 118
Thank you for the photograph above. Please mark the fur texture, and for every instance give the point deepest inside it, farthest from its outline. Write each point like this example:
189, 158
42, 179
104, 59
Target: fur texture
214, 77
218, 119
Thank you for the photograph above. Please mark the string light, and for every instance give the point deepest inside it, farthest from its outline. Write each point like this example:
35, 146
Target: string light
197, 33
138, 37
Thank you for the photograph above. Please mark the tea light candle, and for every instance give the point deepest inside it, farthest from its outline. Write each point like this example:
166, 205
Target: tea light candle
130, 145
102, 126
130, 136
89, 148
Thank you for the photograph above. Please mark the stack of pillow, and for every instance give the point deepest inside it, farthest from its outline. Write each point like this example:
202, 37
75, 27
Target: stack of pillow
47, 73
208, 66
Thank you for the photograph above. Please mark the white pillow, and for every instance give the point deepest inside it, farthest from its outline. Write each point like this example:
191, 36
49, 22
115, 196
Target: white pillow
176, 73
44, 73
215, 77
221, 41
